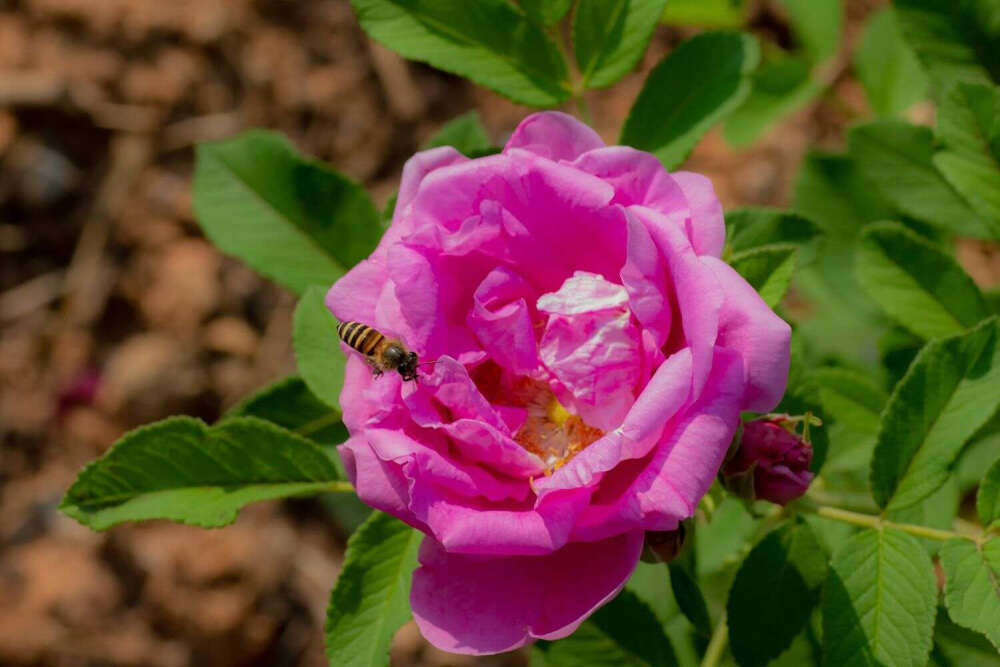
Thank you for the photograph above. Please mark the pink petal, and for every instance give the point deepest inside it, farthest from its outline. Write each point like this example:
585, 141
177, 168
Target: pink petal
554, 135
748, 326
592, 348
642, 429
656, 492
706, 226
502, 320
381, 484
696, 290
479, 605
418, 167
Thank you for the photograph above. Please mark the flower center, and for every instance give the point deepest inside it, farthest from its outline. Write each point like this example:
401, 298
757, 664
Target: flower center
550, 431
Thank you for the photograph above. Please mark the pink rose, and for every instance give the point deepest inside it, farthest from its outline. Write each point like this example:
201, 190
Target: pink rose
593, 355
774, 458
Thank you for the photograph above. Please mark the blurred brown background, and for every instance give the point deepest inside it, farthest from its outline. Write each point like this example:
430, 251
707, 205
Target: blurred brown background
114, 311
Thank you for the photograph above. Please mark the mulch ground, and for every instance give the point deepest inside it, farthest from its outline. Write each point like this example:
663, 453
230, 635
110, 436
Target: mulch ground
114, 310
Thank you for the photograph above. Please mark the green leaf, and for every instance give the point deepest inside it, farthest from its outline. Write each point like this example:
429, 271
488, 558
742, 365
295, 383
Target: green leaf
937, 510
183, 470
778, 88
969, 125
831, 191
949, 391
317, 347
972, 588
898, 160
289, 404
697, 84
887, 67
291, 218
768, 269
464, 133
850, 397
748, 228
489, 41
954, 646
919, 286
372, 596
879, 601
774, 593
689, 599
609, 37
988, 497
706, 13
951, 42
546, 12
817, 24
622, 632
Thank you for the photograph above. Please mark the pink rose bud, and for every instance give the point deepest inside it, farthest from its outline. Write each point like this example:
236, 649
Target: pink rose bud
771, 461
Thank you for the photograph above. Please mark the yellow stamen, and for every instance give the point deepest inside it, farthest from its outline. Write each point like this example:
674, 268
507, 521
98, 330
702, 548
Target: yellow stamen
552, 432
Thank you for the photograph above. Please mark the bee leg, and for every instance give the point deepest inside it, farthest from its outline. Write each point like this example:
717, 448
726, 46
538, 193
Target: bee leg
376, 371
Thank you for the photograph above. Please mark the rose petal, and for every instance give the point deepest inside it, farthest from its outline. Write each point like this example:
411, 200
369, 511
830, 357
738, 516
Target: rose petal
554, 135
749, 326
706, 226
656, 492
381, 484
481, 605
502, 320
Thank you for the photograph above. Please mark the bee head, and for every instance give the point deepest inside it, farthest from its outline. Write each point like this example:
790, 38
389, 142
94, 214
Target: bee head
408, 366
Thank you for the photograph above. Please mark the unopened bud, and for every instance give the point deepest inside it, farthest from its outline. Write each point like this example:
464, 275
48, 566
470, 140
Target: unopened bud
771, 460
664, 545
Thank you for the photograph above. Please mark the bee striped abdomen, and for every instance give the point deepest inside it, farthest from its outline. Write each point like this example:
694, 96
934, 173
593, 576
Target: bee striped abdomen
360, 337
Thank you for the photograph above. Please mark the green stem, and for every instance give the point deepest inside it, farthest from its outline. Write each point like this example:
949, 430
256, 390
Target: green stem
717, 644
877, 522
339, 487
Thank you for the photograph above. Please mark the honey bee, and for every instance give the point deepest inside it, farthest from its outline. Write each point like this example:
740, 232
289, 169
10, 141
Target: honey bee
381, 353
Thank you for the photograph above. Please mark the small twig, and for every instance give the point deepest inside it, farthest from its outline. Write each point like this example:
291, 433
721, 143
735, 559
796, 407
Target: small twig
717, 644
30, 295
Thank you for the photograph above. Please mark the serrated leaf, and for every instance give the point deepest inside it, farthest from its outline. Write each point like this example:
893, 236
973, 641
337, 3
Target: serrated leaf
623, 632
951, 42
464, 133
972, 588
850, 397
546, 12
778, 88
689, 599
774, 593
291, 218
817, 25
955, 646
968, 123
887, 67
289, 404
491, 42
988, 496
768, 269
697, 84
318, 353
917, 284
372, 597
937, 510
948, 393
897, 159
831, 191
183, 470
609, 37
879, 600
748, 228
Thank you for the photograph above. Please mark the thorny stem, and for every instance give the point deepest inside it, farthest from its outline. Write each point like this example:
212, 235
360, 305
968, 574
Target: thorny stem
717, 644
877, 522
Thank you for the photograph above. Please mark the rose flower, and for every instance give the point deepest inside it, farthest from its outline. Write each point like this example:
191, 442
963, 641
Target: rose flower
592, 356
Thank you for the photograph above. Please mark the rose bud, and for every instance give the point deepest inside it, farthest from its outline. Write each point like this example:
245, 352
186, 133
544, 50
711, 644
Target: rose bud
663, 546
770, 462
